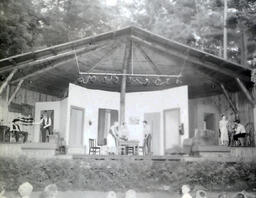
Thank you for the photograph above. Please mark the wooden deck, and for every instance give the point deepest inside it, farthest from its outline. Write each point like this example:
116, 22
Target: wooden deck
129, 157
46, 150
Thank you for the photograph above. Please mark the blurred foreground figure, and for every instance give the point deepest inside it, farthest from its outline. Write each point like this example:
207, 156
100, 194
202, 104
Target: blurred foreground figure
111, 194
2, 190
50, 191
25, 190
185, 189
130, 194
201, 194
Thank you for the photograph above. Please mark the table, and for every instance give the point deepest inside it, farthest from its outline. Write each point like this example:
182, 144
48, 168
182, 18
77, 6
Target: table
124, 147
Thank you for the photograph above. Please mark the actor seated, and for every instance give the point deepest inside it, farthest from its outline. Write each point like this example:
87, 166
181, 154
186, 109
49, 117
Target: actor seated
17, 131
240, 132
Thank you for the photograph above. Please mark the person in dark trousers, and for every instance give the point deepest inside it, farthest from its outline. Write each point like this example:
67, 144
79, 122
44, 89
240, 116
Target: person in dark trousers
147, 138
17, 131
46, 124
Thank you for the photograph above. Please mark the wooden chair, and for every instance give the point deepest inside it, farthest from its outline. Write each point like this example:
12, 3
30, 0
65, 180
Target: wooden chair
93, 148
130, 150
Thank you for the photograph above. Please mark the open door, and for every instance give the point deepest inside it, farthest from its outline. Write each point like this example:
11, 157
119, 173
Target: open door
171, 128
153, 120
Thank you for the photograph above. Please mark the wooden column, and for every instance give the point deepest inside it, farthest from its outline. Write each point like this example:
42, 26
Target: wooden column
126, 62
225, 39
7, 80
245, 91
232, 105
15, 92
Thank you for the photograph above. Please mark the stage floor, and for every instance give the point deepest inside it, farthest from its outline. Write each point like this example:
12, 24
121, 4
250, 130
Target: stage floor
46, 150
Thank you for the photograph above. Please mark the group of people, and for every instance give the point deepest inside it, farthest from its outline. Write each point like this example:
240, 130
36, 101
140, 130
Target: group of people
25, 191
186, 193
18, 132
51, 191
231, 132
115, 135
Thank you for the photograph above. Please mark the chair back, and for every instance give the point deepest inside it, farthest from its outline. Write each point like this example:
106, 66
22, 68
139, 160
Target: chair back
92, 143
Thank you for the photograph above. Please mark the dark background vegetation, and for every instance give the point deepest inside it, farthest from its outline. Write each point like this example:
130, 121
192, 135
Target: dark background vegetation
27, 25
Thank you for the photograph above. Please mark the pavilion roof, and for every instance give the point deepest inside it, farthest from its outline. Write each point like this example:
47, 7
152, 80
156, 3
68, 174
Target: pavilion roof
50, 70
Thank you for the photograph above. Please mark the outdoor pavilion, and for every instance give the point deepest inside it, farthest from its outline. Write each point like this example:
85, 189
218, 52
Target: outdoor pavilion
126, 60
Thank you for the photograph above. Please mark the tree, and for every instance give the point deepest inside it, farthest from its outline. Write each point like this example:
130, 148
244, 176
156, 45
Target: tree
19, 27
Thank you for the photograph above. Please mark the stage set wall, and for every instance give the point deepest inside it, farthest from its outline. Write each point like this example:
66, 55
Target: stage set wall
91, 101
139, 103
136, 105
23, 97
218, 105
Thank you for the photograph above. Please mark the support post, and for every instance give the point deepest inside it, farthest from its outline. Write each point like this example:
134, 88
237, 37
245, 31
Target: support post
126, 62
7, 80
254, 123
15, 92
245, 91
229, 99
225, 30
7, 93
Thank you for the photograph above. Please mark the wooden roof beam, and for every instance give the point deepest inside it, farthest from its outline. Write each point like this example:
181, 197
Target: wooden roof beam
54, 65
15, 92
168, 52
51, 58
146, 56
245, 91
232, 105
41, 71
7, 80
108, 36
112, 49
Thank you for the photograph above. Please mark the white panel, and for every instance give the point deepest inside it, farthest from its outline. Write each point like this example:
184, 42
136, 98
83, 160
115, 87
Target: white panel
76, 128
172, 137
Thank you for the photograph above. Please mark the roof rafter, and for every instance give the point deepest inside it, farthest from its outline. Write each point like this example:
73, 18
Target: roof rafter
54, 65
51, 58
108, 36
112, 49
153, 65
167, 52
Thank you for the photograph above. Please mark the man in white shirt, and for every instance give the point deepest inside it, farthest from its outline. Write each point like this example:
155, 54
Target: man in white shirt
15, 128
240, 131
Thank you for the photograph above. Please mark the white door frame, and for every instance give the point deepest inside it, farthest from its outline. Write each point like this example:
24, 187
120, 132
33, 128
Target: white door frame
164, 122
82, 134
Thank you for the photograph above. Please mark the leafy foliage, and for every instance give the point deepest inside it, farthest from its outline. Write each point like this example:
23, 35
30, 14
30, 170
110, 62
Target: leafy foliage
124, 174
19, 27
28, 24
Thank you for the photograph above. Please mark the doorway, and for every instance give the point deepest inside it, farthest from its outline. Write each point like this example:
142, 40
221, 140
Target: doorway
106, 119
153, 120
210, 121
76, 127
171, 128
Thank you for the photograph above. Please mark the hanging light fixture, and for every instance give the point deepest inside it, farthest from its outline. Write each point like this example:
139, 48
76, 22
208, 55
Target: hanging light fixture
167, 81
146, 82
92, 79
115, 79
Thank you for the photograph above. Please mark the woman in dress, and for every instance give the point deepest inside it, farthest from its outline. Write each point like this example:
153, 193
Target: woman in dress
223, 130
112, 139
